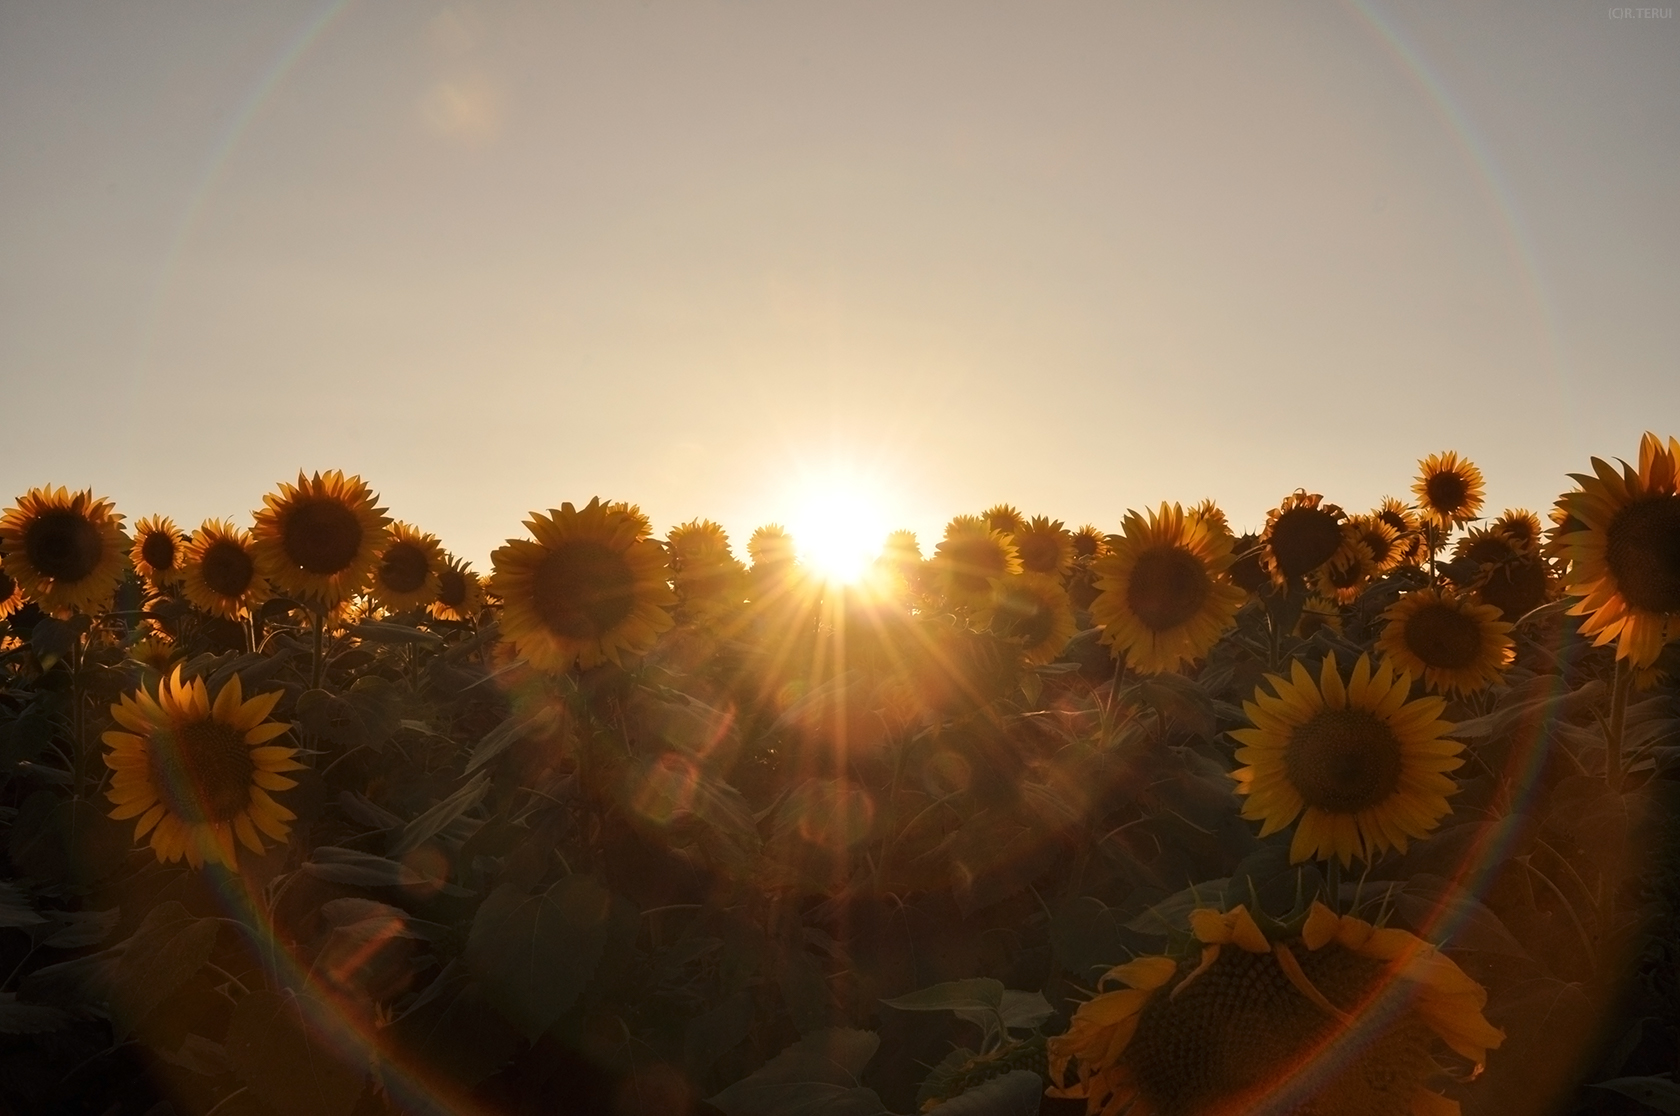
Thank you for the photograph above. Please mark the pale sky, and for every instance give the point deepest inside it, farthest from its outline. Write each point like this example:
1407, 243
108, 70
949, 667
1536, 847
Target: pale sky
1079, 257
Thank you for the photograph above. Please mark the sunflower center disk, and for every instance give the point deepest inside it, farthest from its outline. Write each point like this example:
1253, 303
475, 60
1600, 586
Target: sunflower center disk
1168, 586
975, 564
1447, 492
63, 545
227, 569
322, 537
452, 587
202, 770
1343, 761
1643, 553
403, 569
583, 590
1516, 588
1303, 539
1234, 1033
158, 549
1443, 637
1038, 553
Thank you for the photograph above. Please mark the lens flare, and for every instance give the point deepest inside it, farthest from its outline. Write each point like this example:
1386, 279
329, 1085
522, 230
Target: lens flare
838, 528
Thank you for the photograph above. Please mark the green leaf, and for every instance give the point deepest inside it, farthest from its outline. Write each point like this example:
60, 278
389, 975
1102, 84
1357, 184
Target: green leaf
51, 640
1016, 1093
513, 729
453, 1030
436, 819
1438, 908
1172, 914
816, 1076
15, 909
380, 632
1021, 1011
29, 1019
1653, 1092
284, 1046
535, 953
75, 929
65, 840
975, 993
360, 869
168, 949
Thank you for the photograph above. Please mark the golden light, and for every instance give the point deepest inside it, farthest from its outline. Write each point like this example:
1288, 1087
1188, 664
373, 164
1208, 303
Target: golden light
839, 527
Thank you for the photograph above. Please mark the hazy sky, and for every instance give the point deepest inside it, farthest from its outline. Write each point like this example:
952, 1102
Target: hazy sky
1076, 256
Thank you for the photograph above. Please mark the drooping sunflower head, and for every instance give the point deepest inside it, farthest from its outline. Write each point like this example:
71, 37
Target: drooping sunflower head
160, 550
1454, 644
1449, 489
197, 769
1486, 546
1318, 614
1163, 597
65, 549
460, 594
1032, 611
1004, 519
1045, 547
1348, 571
969, 557
1522, 527
1400, 516
1328, 1014
1089, 542
1210, 513
1381, 539
408, 570
220, 570
319, 540
1247, 570
1363, 768
1302, 534
11, 594
1517, 587
1625, 556
584, 591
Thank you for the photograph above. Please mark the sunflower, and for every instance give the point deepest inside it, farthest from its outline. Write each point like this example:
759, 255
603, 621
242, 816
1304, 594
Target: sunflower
707, 577
1210, 513
633, 513
408, 570
219, 568
11, 595
1045, 547
1302, 534
1522, 527
65, 551
1449, 489
1400, 516
1517, 587
1349, 570
967, 559
197, 771
159, 552
1004, 519
1381, 539
1163, 597
771, 546
1361, 766
1486, 546
1317, 614
1246, 571
1625, 557
585, 592
1335, 1015
318, 541
1089, 542
1454, 644
1033, 611
460, 595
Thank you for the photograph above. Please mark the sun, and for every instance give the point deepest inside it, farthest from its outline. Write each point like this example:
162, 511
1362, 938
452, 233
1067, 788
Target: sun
838, 526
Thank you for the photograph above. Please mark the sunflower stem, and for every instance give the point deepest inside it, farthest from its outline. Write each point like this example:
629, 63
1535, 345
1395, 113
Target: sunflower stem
315, 664
1620, 686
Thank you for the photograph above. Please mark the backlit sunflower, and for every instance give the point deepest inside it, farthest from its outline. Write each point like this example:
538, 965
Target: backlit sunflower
1381, 539
1485, 547
1517, 587
1089, 542
633, 513
1163, 599
586, 591
1318, 614
707, 577
1333, 1016
219, 570
1005, 519
1210, 513
1522, 527
160, 549
1625, 558
1246, 570
1400, 516
460, 596
1449, 489
1454, 644
65, 550
1349, 570
1033, 611
408, 570
967, 559
1302, 534
319, 540
1045, 547
11, 595
197, 772
1362, 767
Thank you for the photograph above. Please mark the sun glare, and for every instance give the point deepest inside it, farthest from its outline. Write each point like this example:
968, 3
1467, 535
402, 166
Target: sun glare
838, 528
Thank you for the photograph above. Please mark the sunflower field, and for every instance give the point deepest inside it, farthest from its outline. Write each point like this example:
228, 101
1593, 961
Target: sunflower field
1369, 814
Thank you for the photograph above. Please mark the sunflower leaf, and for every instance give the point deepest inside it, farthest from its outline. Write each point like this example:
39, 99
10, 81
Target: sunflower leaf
434, 820
511, 730
816, 1076
975, 993
1016, 1093
534, 953
168, 949
286, 1048
1653, 1092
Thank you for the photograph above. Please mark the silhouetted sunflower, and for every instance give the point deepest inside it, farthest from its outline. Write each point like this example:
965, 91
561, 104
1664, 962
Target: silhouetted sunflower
1517, 587
319, 540
1163, 597
1210, 513
1486, 547
1522, 527
1246, 570
1381, 539
1089, 542
1449, 489
632, 512
408, 570
1454, 644
1409, 529
11, 595
585, 591
1349, 570
1004, 519
160, 550
1302, 534
969, 557
1624, 560
65, 550
1033, 611
1362, 767
1350, 1008
707, 576
219, 570
1045, 547
460, 596
197, 773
